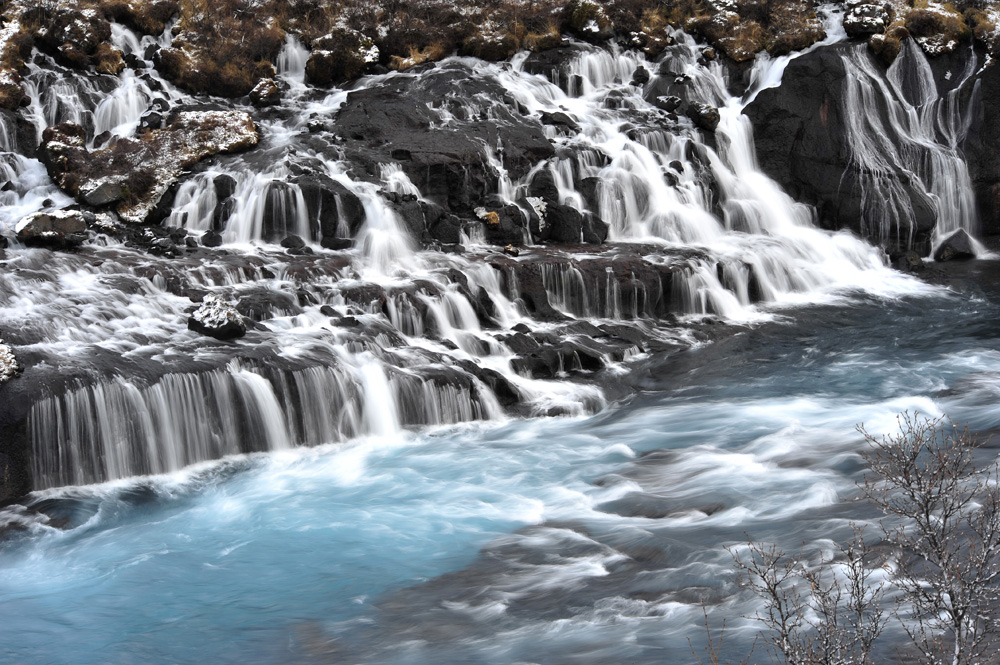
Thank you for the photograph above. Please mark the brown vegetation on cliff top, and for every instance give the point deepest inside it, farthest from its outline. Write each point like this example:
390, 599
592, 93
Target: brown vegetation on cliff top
225, 47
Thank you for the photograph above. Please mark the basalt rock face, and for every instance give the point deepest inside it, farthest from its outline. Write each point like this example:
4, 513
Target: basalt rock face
982, 148
412, 121
134, 173
803, 139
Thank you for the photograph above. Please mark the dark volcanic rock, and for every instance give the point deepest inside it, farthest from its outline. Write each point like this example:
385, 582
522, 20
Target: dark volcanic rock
982, 147
334, 210
801, 142
396, 119
956, 246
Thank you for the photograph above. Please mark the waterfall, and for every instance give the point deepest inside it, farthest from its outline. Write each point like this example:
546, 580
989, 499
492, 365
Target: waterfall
292, 61
387, 335
120, 112
904, 138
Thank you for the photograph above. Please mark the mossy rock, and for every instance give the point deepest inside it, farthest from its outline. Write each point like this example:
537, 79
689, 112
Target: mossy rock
342, 55
489, 47
587, 20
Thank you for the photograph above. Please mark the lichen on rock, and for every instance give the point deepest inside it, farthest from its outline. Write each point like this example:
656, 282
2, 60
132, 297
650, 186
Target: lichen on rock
217, 318
135, 172
9, 365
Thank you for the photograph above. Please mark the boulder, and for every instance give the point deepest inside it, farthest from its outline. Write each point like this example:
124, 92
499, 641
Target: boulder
225, 186
102, 193
543, 186
265, 93
863, 19
956, 246
136, 172
668, 103
57, 228
217, 318
560, 119
704, 116
293, 242
565, 222
447, 230
506, 227
640, 76
909, 262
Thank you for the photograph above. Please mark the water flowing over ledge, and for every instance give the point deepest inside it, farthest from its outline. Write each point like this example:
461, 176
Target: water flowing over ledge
711, 235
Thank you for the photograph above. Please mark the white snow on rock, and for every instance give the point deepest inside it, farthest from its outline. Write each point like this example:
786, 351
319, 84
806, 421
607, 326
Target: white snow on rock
9, 366
216, 313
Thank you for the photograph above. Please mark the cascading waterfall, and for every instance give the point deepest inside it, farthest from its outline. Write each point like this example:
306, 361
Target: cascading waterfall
657, 188
902, 131
664, 186
291, 63
120, 111
321, 482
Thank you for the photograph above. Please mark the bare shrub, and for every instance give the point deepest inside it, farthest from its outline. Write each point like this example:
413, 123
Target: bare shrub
943, 557
948, 544
827, 614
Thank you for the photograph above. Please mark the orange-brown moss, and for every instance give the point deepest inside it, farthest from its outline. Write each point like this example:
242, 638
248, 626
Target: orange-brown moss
108, 59
145, 17
430, 53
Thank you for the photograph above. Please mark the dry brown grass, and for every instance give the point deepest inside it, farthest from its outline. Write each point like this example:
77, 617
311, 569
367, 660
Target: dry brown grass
431, 53
983, 29
926, 22
222, 47
543, 40
145, 17
108, 60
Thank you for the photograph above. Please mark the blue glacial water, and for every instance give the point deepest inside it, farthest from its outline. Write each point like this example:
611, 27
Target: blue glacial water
561, 540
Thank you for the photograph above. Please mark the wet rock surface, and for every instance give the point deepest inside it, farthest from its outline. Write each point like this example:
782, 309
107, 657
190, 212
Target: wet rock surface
801, 136
438, 143
134, 173
956, 246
